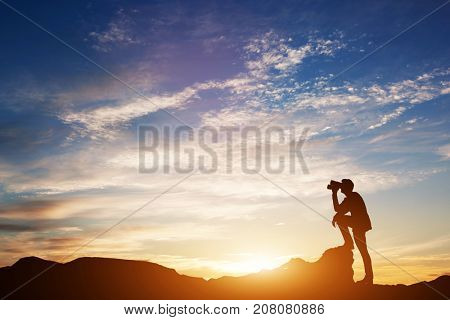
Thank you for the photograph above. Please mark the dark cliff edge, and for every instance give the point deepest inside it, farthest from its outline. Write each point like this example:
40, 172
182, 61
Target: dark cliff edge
331, 277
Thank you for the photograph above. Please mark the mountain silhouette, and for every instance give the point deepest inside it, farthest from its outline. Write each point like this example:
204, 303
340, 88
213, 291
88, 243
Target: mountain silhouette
331, 277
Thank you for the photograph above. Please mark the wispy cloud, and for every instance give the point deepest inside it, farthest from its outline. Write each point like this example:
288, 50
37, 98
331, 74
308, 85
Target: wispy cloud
323, 106
265, 89
264, 56
119, 32
388, 117
102, 122
444, 151
272, 53
31, 209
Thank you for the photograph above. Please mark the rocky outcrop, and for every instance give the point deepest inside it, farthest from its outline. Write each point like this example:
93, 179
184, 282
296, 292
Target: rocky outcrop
330, 277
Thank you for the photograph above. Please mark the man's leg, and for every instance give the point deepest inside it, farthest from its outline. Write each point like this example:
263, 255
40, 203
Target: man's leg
360, 239
343, 223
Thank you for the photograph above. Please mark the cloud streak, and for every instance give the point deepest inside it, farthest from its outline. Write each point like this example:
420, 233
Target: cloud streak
118, 33
265, 55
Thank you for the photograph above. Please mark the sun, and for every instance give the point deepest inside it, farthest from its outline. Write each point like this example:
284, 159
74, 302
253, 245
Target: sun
251, 264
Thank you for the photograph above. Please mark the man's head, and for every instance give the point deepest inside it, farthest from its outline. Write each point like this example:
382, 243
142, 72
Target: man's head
346, 186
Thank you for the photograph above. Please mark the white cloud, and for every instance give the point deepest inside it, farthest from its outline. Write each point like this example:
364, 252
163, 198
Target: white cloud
411, 121
445, 90
251, 98
118, 32
235, 117
101, 121
333, 106
413, 91
270, 52
388, 117
444, 151
267, 53
328, 100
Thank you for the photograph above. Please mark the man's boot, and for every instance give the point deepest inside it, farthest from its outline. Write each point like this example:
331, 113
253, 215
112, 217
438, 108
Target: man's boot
368, 280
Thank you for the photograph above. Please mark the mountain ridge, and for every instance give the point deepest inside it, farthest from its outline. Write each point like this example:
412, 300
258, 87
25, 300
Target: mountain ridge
330, 277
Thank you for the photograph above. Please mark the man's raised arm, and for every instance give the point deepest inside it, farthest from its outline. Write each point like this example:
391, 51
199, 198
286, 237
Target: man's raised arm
340, 208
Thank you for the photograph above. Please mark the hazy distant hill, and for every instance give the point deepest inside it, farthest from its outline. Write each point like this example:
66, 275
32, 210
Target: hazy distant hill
331, 277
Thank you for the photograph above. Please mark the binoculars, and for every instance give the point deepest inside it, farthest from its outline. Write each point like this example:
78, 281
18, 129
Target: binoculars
334, 185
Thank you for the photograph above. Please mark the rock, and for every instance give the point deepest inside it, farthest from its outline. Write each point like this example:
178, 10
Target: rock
330, 277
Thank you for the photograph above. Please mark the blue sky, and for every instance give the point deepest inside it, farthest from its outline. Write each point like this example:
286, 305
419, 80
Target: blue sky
68, 158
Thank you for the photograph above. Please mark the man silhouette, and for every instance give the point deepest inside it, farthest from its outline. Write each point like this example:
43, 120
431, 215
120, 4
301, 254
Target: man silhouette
358, 220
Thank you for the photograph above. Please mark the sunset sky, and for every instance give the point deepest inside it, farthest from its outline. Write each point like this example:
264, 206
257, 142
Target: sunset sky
68, 130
